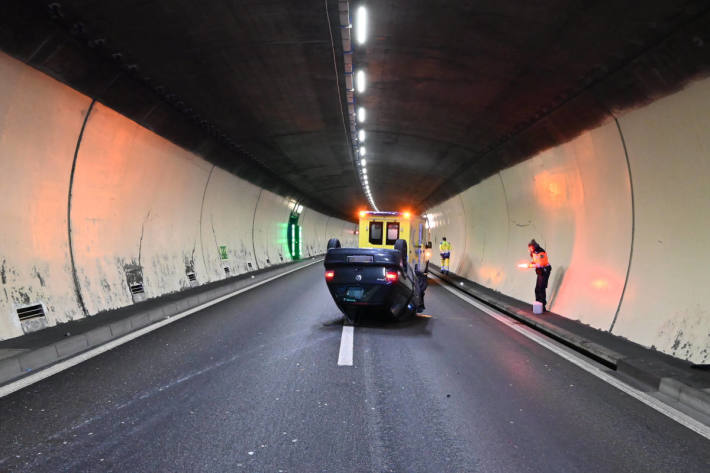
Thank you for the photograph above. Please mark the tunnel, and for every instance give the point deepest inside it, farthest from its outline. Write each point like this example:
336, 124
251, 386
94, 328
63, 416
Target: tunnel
172, 173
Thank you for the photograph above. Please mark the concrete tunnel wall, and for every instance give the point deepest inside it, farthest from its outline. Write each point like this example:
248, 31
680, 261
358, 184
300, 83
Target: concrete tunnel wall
624, 213
136, 199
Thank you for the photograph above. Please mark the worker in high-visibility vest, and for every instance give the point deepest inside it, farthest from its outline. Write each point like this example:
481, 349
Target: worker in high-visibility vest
445, 252
542, 269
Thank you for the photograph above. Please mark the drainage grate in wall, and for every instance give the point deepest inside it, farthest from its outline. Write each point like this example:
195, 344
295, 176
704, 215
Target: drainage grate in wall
137, 289
30, 312
226, 271
191, 276
249, 264
268, 261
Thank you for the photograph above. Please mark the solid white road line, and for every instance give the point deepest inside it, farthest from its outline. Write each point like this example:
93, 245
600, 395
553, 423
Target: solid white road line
587, 366
345, 357
75, 360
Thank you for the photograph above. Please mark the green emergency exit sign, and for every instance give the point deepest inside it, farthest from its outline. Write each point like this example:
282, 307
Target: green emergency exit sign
294, 238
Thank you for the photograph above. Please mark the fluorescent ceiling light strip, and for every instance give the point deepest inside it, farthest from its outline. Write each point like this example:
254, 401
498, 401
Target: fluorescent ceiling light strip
361, 114
360, 81
361, 25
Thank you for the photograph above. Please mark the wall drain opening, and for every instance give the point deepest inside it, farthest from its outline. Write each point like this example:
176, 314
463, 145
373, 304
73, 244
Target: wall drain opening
30, 312
268, 261
226, 271
190, 273
137, 289
134, 279
249, 265
32, 317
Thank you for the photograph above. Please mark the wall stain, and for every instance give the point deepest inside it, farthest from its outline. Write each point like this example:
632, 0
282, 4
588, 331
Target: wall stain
22, 297
105, 285
192, 256
221, 262
140, 242
3, 273
133, 274
678, 339
38, 276
686, 335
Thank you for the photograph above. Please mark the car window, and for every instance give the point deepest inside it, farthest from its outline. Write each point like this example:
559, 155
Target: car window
392, 232
376, 233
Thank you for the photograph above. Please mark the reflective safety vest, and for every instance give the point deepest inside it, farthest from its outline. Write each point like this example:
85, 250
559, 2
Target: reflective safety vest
445, 247
540, 260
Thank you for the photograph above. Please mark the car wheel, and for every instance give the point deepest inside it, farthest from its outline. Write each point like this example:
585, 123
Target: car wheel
333, 243
401, 246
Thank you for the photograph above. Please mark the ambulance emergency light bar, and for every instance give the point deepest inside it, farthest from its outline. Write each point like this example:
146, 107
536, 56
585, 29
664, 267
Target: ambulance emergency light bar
373, 213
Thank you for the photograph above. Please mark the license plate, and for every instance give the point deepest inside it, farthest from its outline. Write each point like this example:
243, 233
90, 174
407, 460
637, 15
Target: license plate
360, 259
354, 293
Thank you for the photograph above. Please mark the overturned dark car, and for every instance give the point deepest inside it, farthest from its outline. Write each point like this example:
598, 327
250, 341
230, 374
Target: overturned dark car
381, 277
373, 281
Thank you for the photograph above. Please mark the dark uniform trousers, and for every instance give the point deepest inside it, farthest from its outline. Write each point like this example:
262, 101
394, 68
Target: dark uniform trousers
543, 276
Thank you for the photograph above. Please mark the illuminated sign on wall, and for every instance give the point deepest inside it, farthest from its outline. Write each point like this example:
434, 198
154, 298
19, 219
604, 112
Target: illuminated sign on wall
294, 236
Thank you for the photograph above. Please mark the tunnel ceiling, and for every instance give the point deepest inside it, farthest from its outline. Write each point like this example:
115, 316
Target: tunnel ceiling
456, 91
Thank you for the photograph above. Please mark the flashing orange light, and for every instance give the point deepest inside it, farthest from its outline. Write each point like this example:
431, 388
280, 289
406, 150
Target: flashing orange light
406, 215
392, 276
600, 283
329, 275
523, 265
363, 213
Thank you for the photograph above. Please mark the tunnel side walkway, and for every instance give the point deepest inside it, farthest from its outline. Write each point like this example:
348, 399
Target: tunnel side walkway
23, 356
677, 379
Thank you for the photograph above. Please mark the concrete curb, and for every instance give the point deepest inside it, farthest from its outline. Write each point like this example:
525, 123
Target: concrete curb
658, 375
593, 350
687, 395
20, 365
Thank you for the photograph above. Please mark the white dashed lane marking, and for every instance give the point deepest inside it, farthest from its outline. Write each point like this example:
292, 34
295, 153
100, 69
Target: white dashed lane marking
345, 357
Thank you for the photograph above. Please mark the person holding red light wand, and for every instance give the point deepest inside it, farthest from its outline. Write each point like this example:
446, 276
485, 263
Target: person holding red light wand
542, 269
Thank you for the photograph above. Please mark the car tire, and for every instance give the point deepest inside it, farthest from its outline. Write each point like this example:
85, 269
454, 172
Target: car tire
401, 246
334, 243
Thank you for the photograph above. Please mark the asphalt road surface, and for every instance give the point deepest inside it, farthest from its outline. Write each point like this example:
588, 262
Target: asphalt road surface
253, 384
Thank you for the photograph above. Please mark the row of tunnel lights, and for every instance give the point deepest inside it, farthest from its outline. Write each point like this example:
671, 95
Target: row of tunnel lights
360, 85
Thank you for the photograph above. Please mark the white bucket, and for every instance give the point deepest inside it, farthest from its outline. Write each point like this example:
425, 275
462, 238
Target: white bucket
537, 307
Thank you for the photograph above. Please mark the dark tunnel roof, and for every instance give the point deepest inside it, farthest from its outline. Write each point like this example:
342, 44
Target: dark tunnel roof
456, 91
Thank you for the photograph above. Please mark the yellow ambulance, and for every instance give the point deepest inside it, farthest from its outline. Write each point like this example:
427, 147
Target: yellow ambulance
383, 229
